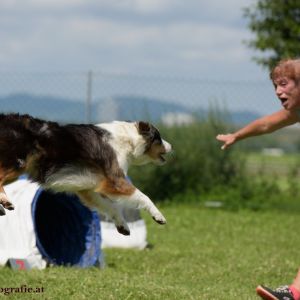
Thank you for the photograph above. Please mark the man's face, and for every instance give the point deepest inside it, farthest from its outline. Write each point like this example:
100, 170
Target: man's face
288, 92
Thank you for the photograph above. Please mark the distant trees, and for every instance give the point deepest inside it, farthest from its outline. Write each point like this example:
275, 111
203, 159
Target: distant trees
276, 24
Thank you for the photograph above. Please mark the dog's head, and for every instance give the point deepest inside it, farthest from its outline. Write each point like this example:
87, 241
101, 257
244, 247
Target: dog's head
151, 148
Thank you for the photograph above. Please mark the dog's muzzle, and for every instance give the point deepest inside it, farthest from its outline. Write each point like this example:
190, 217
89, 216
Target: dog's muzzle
166, 152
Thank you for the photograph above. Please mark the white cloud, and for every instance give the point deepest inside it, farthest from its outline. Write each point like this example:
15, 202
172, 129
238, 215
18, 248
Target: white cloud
152, 6
17, 5
142, 6
8, 4
123, 35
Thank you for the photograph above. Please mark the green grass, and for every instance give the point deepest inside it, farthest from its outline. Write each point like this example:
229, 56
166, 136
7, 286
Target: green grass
281, 168
287, 158
199, 254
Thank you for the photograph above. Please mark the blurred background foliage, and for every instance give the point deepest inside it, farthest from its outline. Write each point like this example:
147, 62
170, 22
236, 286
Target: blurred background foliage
240, 177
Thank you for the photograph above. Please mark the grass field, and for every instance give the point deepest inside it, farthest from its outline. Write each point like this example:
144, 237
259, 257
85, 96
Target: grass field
279, 165
281, 168
199, 254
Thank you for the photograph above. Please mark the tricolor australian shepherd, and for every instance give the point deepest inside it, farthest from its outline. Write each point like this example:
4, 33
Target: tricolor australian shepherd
88, 160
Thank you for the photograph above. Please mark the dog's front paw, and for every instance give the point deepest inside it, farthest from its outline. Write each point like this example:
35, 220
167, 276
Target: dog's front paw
160, 219
123, 230
2, 211
5, 202
8, 206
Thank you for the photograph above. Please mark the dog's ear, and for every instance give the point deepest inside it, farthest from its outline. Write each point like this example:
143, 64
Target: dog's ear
143, 127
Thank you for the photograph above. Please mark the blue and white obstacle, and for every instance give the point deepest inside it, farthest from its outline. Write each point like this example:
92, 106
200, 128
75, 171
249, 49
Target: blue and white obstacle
56, 229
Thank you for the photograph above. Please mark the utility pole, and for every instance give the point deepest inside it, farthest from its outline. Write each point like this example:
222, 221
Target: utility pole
88, 109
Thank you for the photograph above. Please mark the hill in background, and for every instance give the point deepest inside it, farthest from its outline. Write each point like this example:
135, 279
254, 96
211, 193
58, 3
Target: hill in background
114, 108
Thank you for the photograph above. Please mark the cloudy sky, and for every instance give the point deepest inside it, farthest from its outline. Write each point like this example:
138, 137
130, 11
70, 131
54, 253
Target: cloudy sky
170, 37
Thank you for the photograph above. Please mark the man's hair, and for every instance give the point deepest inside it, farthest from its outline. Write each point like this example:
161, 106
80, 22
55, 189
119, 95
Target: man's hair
289, 68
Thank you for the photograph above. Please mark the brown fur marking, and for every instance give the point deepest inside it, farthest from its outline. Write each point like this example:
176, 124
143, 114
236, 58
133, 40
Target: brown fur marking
156, 150
117, 186
8, 175
86, 198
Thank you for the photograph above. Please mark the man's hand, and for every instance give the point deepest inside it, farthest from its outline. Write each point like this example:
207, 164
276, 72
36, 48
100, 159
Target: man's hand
228, 140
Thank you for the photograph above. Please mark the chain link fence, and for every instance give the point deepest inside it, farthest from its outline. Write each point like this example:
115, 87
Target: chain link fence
92, 97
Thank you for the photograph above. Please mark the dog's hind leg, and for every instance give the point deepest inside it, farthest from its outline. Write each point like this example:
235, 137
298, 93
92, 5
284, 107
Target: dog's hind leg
120, 189
107, 207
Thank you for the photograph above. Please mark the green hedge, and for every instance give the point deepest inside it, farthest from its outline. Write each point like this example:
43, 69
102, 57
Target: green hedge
197, 165
200, 171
